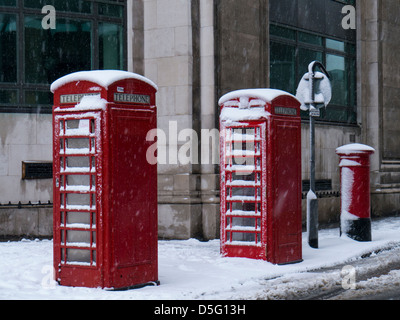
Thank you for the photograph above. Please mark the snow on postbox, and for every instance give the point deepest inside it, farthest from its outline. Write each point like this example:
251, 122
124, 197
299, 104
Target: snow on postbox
105, 191
260, 160
355, 218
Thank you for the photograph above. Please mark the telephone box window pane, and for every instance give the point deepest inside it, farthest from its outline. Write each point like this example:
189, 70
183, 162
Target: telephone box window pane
8, 48
111, 46
282, 72
336, 66
58, 52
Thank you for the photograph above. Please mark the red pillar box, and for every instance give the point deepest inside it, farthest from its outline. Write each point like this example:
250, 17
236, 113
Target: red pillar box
105, 191
260, 162
355, 191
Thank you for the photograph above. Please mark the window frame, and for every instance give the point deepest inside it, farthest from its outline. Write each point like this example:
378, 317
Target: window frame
23, 87
349, 56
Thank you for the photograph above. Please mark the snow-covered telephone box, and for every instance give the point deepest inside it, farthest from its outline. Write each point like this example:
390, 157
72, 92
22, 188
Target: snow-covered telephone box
105, 190
260, 161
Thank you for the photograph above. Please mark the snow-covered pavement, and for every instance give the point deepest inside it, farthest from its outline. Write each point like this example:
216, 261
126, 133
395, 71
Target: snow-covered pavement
195, 270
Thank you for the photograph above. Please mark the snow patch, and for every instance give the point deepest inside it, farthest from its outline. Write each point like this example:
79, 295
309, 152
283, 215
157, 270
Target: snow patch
266, 95
354, 148
26, 270
349, 163
323, 91
235, 114
104, 78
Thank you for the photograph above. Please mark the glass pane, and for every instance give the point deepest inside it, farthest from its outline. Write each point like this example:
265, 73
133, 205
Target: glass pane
38, 97
336, 66
335, 114
8, 3
307, 56
111, 10
310, 38
335, 45
8, 96
110, 46
56, 52
8, 48
282, 71
282, 32
61, 5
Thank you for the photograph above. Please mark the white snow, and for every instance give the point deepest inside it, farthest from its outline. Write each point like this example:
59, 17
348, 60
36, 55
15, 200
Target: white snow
346, 198
349, 163
239, 114
194, 270
92, 102
104, 78
266, 95
354, 148
323, 91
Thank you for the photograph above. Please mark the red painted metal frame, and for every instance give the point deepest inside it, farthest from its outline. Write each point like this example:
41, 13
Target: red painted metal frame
280, 232
115, 243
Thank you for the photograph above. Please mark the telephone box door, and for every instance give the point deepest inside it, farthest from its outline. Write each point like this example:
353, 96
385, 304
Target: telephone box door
76, 198
243, 192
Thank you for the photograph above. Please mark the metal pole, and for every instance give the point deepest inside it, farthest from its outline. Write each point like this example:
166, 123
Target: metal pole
312, 200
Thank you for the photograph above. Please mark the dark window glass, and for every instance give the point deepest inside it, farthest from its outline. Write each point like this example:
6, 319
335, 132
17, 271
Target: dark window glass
37, 97
81, 6
110, 46
8, 48
290, 59
57, 52
8, 3
89, 34
282, 71
110, 10
9, 96
310, 39
336, 66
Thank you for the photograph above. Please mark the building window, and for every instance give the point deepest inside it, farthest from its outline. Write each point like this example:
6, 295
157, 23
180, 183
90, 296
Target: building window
292, 50
89, 34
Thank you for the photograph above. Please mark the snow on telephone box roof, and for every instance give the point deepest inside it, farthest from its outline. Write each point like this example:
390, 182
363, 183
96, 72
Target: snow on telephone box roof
104, 78
249, 110
268, 95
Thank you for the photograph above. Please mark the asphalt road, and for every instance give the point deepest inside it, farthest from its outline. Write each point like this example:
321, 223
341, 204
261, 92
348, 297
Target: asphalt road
376, 277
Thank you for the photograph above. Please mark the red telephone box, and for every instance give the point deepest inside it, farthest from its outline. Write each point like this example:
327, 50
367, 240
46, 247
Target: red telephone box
260, 162
105, 191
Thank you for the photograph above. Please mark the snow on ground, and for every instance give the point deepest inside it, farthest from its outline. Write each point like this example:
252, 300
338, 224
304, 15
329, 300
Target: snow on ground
193, 270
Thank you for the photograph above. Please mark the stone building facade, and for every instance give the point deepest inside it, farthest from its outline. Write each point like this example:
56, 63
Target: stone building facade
198, 50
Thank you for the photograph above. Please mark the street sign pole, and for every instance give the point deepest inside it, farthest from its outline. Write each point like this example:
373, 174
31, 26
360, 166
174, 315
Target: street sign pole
312, 200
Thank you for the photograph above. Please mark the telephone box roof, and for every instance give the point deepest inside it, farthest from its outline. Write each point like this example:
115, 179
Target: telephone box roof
268, 95
103, 78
